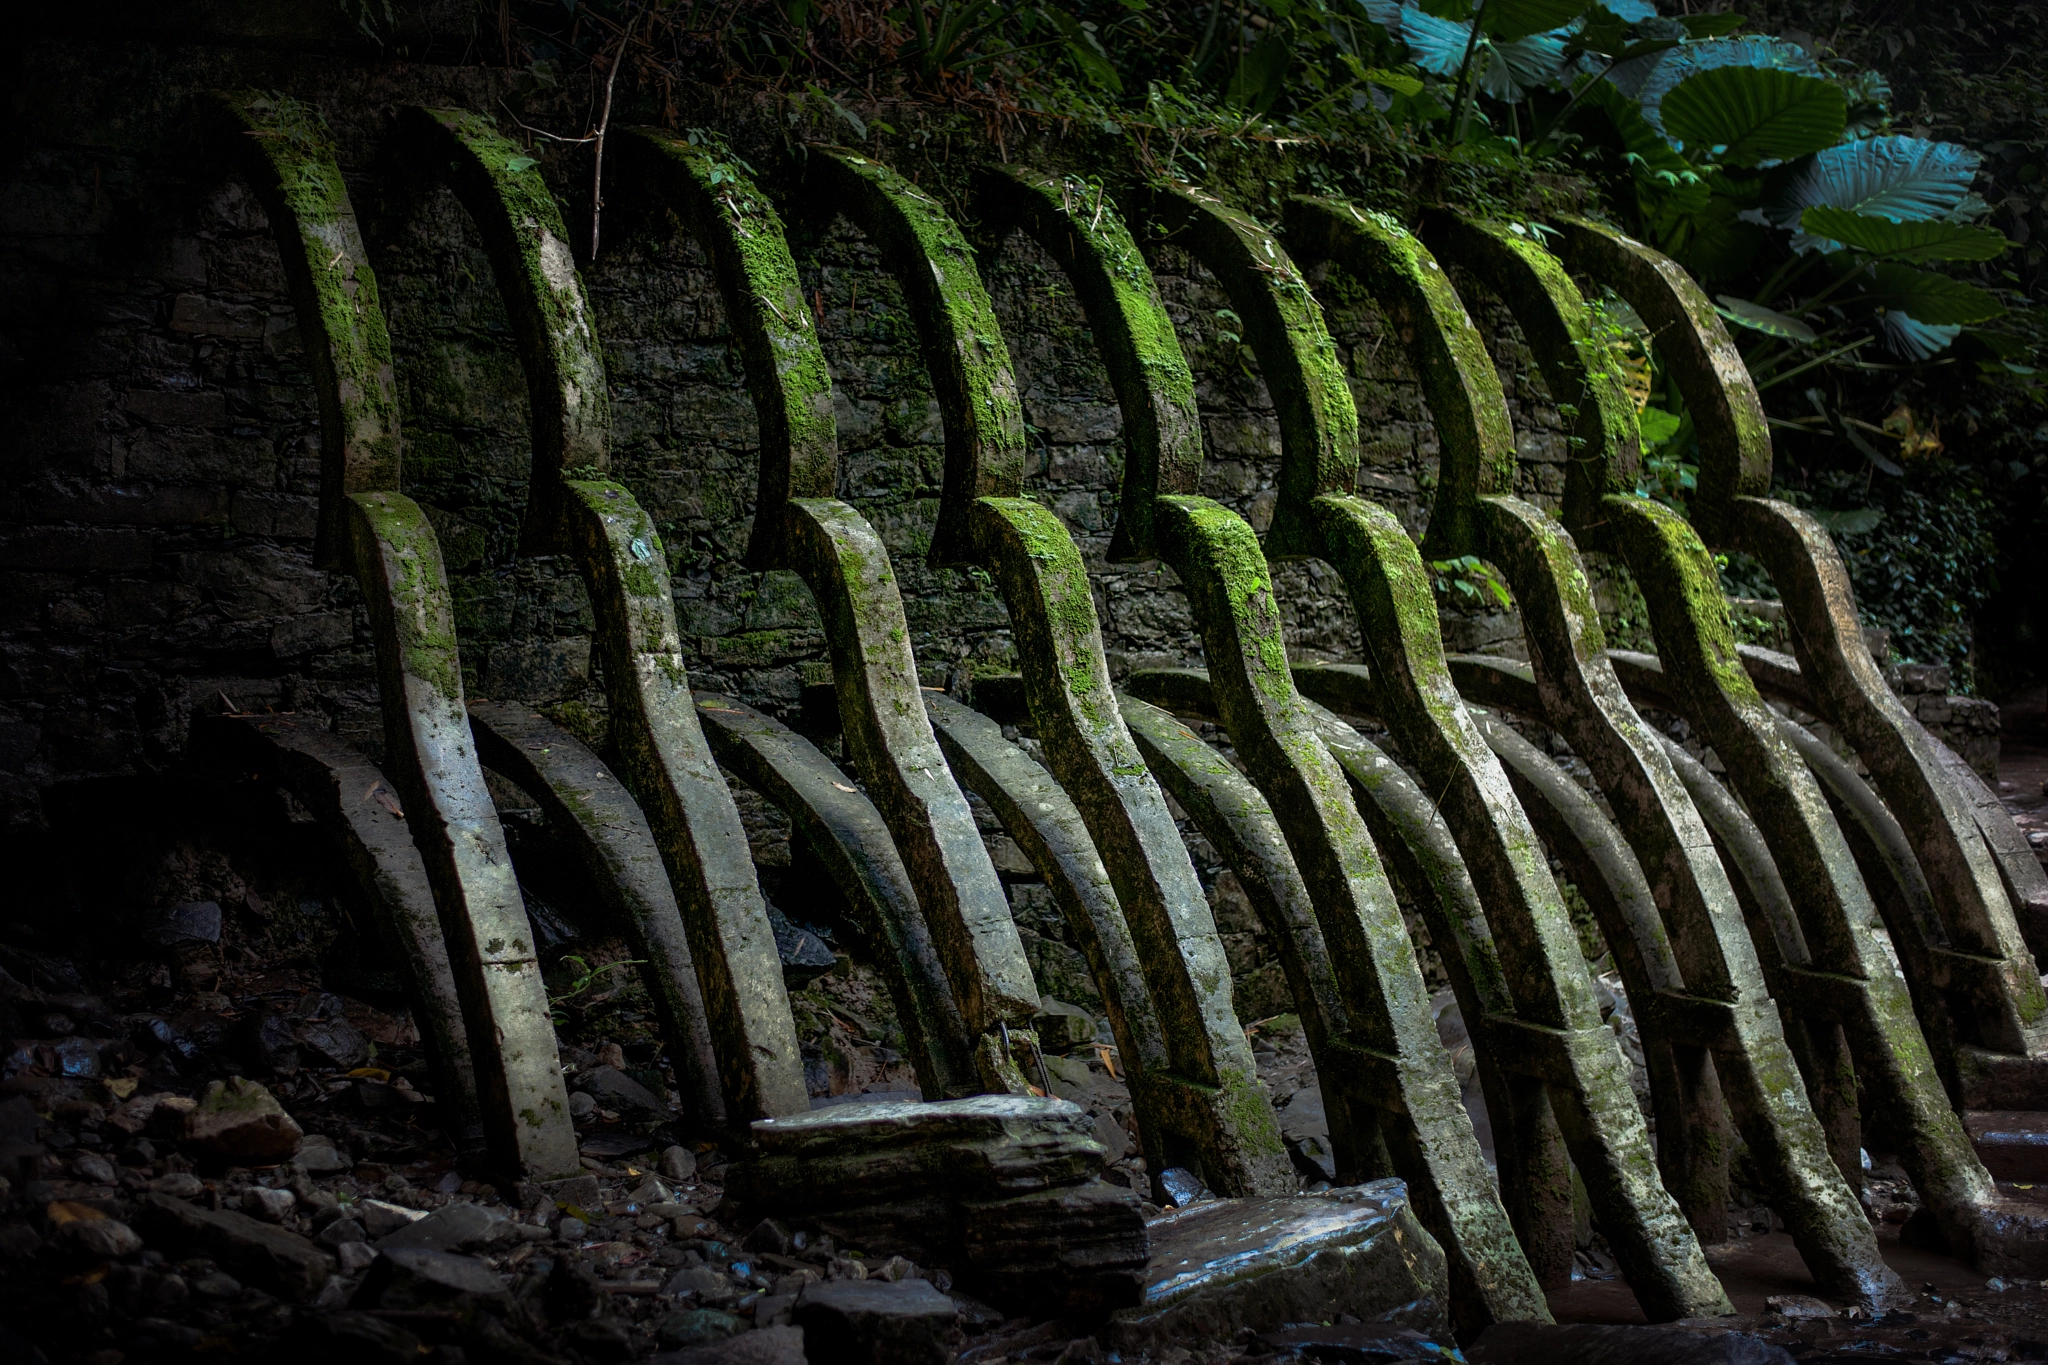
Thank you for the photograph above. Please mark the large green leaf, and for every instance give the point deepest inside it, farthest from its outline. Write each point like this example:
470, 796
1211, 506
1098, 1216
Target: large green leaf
1902, 241
1905, 178
1508, 20
1756, 115
1683, 63
1437, 45
1930, 298
1758, 318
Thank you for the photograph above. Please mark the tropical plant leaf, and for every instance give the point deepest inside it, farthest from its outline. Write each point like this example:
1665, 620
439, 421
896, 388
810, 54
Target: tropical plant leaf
1937, 241
1515, 68
1653, 154
1929, 298
1400, 82
1683, 63
1909, 179
1758, 318
1704, 26
1385, 13
1630, 11
1756, 115
1261, 76
1437, 45
1657, 426
1507, 20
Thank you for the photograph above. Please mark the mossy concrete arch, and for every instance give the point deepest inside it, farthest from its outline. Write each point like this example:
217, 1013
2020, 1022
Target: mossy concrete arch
1387, 1077
1588, 705
572, 508
1207, 1103
1083, 231
799, 524
382, 537
1388, 583
1978, 917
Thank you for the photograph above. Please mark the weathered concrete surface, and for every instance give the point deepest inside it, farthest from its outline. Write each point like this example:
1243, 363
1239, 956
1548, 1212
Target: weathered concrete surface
1734, 510
798, 525
625, 570
1220, 1268
603, 825
1583, 700
1382, 570
1043, 820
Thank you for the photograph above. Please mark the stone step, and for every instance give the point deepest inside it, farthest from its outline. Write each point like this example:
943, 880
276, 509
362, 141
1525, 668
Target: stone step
2012, 1143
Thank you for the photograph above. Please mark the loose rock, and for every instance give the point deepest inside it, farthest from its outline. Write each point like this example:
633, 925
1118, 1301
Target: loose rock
242, 1123
875, 1322
100, 1239
1533, 1343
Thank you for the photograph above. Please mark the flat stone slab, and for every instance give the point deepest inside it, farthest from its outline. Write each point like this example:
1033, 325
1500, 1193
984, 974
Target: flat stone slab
1222, 1267
986, 1146
2013, 1144
253, 1251
875, 1322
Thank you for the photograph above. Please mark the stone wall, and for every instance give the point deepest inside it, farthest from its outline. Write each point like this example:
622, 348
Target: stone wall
158, 490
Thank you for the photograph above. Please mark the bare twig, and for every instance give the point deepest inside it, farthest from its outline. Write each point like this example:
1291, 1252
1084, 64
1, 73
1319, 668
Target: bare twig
604, 123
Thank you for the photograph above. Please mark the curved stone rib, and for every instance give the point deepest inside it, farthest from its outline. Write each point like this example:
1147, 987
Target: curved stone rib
1722, 978
1892, 1056
664, 758
1235, 817
1066, 674
282, 147
1976, 1078
1689, 617
1392, 1045
1318, 420
1045, 823
596, 817
2025, 881
1807, 569
385, 540
1381, 567
1075, 224
337, 784
433, 765
1409, 828
850, 837
799, 525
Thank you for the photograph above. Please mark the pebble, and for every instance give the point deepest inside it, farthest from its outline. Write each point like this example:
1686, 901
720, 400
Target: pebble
678, 1165
272, 1206
101, 1238
354, 1256
571, 1229
179, 1185
94, 1168
340, 1232
380, 1217
217, 1284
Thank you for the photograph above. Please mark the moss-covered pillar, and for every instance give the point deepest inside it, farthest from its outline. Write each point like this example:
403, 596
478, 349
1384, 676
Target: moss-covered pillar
1718, 965
1734, 511
1702, 663
1549, 1028
606, 832
477, 965
799, 524
1208, 1100
572, 508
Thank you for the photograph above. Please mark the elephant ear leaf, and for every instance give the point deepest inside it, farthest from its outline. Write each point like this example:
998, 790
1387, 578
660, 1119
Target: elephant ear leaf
1508, 20
1756, 115
1922, 241
1908, 179
1929, 298
1758, 318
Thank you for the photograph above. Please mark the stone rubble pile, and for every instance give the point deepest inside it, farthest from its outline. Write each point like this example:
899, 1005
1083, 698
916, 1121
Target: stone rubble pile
1001, 1188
